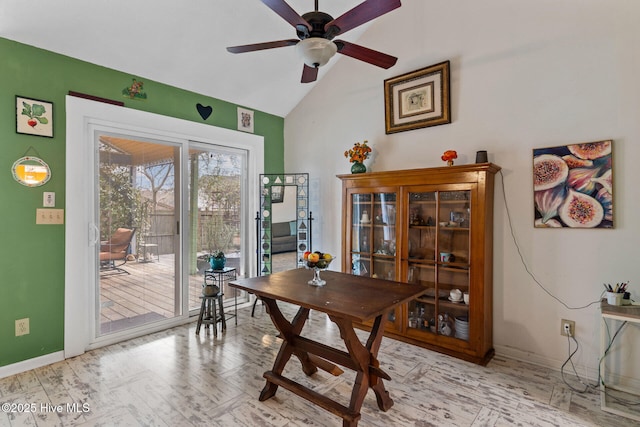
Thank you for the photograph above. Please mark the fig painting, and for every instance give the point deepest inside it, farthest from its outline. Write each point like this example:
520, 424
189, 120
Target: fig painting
34, 117
573, 186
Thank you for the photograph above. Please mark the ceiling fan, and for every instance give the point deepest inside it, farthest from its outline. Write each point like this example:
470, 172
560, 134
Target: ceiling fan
316, 30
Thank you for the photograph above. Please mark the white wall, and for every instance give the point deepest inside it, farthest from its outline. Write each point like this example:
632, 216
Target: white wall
524, 75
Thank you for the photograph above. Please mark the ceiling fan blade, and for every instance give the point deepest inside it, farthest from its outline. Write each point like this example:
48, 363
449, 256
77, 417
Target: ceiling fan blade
262, 46
365, 54
363, 13
309, 74
287, 13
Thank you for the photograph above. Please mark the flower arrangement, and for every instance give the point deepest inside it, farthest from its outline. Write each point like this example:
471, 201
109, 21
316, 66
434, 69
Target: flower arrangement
359, 153
449, 156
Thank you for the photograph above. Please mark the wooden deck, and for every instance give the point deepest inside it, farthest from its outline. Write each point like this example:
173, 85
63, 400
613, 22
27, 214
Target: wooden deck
146, 294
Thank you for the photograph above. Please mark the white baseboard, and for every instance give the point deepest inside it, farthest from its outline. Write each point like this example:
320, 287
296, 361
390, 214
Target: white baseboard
27, 365
536, 359
590, 374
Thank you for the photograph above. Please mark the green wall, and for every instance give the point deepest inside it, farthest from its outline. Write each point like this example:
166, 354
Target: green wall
32, 256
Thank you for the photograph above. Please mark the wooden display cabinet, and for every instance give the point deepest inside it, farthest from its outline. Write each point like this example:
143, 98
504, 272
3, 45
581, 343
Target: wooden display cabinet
433, 227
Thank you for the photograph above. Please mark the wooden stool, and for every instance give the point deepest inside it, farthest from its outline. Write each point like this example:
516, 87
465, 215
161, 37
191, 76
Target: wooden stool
209, 313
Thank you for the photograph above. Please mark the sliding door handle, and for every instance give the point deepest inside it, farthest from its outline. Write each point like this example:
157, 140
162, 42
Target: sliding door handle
94, 234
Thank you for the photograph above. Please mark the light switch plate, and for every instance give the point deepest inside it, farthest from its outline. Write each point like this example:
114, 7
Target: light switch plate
49, 216
22, 327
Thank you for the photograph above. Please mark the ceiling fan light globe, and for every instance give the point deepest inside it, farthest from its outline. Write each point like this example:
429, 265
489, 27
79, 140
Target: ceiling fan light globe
316, 51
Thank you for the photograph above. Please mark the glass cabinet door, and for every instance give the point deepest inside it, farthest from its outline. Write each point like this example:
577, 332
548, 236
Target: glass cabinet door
438, 243
372, 238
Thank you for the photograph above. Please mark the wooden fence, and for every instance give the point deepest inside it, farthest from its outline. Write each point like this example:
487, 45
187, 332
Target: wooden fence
162, 231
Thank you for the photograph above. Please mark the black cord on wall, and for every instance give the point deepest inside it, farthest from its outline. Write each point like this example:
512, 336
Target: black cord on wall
524, 264
587, 386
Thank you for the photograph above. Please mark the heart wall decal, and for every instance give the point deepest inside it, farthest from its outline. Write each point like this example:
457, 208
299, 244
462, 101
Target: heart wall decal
205, 112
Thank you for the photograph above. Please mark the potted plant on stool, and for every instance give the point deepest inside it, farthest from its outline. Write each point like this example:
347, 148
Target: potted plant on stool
217, 260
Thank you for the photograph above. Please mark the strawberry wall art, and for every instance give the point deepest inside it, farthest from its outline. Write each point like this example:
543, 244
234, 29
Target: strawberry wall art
573, 186
34, 117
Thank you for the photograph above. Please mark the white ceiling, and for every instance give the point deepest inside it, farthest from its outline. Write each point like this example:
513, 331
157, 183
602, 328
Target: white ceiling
179, 42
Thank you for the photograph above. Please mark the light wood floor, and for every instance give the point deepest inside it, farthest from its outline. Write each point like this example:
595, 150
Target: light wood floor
175, 378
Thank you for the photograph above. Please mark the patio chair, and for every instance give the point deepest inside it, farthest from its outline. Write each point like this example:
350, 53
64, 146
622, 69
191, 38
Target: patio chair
113, 252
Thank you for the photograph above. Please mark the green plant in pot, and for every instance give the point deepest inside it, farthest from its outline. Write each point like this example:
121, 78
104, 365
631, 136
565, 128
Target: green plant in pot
217, 260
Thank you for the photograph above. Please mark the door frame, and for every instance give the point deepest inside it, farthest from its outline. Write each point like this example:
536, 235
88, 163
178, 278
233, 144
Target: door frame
83, 117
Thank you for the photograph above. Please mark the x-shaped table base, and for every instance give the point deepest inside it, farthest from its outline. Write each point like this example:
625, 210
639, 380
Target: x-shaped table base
314, 355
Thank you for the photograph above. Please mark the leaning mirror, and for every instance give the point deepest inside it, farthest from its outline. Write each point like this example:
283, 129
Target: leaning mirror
283, 224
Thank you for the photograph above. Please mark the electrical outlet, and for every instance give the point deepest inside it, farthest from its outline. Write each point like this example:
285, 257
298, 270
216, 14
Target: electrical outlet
567, 328
49, 199
22, 326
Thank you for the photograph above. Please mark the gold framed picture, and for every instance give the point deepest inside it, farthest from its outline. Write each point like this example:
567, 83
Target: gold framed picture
418, 99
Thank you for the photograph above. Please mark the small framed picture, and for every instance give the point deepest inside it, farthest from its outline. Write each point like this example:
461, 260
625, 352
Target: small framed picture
417, 99
245, 120
34, 117
277, 193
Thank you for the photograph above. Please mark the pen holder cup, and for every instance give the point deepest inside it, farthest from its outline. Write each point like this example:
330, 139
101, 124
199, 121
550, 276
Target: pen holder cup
614, 298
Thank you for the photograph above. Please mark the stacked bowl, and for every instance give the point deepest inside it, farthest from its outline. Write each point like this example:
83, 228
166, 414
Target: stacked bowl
462, 327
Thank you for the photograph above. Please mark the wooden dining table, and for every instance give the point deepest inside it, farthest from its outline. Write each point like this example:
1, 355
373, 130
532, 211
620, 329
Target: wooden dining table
347, 300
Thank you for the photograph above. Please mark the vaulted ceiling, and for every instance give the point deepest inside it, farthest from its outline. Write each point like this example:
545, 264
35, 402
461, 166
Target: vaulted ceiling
180, 42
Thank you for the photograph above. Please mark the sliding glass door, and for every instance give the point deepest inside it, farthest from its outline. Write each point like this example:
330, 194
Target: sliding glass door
139, 209
137, 218
217, 188
138, 212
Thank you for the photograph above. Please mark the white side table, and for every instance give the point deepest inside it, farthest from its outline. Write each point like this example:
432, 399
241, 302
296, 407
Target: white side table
624, 313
